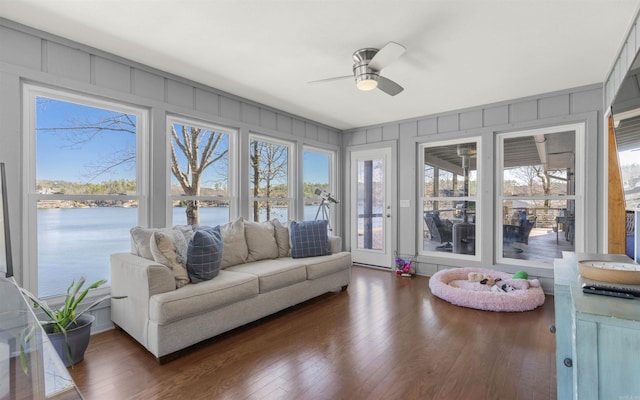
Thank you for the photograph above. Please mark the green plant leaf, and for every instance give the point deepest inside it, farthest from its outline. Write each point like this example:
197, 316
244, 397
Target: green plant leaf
25, 336
60, 319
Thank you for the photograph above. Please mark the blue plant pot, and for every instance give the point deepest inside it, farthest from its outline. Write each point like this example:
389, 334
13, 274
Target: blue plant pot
77, 339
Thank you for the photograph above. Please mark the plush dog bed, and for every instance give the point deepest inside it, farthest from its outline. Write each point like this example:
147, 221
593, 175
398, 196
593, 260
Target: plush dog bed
453, 285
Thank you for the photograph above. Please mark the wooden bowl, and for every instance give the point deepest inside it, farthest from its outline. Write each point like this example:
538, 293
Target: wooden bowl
609, 271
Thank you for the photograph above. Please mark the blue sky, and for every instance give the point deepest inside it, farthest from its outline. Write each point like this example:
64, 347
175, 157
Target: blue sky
65, 157
61, 155
316, 167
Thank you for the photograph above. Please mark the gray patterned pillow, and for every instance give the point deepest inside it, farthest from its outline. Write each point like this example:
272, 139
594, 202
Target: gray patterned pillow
204, 254
309, 238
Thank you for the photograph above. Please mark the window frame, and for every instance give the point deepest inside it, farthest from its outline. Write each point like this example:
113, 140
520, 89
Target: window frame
332, 176
291, 175
578, 197
477, 198
232, 191
30, 194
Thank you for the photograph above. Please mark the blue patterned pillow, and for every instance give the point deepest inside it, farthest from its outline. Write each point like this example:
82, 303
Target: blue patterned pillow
204, 254
309, 239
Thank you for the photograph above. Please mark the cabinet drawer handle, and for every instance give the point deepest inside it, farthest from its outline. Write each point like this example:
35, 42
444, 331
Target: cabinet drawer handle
568, 362
552, 329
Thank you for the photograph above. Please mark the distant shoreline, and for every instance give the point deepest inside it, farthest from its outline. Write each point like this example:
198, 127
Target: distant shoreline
67, 204
53, 204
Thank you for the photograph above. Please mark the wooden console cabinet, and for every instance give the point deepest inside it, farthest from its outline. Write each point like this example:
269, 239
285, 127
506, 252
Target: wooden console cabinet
597, 337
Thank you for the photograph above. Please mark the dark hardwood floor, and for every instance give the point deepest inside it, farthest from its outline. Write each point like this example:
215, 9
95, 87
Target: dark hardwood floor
384, 338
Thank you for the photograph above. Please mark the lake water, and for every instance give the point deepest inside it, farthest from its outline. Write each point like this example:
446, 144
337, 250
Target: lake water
75, 242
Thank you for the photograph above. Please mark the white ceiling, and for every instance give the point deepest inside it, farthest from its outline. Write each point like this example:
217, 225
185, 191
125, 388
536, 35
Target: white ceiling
460, 53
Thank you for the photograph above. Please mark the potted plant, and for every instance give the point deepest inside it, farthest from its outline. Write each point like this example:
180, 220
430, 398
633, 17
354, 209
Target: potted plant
69, 330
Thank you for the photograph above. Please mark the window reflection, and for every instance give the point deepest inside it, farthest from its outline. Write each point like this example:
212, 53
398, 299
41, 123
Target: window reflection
449, 198
538, 185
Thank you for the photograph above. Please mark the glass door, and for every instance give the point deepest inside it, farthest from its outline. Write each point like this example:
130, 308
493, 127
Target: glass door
371, 208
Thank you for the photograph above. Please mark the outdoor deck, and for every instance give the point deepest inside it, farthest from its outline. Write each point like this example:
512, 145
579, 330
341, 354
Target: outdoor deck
542, 246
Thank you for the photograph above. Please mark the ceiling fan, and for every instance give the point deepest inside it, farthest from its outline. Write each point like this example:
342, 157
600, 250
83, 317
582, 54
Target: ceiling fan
368, 63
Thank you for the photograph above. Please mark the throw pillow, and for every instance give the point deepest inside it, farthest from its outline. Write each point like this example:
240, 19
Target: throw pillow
282, 238
187, 231
234, 245
169, 248
141, 241
261, 241
141, 238
204, 254
309, 239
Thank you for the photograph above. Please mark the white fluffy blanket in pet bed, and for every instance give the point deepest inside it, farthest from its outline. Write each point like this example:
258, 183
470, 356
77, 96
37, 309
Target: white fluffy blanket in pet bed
453, 285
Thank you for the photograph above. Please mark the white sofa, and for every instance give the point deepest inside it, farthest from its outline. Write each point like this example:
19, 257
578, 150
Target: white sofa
166, 318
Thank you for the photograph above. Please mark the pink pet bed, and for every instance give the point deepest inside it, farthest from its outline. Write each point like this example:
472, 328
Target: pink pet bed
453, 285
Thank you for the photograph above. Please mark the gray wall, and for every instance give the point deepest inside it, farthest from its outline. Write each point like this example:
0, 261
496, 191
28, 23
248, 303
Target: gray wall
559, 108
28, 55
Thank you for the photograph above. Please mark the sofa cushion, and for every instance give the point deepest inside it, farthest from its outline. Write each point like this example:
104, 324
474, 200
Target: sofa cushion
141, 239
261, 240
309, 238
234, 244
282, 238
204, 254
317, 267
228, 287
169, 248
274, 274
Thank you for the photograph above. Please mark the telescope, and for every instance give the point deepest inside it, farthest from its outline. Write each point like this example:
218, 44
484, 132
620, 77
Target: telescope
326, 195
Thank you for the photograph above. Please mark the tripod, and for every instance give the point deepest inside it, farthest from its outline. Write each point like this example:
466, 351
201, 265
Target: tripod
324, 209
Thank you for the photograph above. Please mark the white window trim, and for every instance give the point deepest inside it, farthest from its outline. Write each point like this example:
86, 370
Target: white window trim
477, 199
578, 196
332, 175
30, 234
232, 191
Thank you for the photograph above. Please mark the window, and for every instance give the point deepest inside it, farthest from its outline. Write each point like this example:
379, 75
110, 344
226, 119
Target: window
449, 197
84, 189
202, 189
318, 189
269, 185
537, 206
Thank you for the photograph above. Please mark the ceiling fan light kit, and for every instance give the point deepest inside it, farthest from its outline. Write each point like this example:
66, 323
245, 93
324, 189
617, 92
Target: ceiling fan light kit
368, 63
366, 82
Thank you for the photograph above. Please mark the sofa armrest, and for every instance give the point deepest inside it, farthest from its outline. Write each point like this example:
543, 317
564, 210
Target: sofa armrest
138, 279
335, 244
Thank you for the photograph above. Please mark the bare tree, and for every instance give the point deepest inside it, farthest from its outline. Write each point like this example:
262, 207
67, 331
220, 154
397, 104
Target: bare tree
268, 167
80, 131
526, 177
199, 146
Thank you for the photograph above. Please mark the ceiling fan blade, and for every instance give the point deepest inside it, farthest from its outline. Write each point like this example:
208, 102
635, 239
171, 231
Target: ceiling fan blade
336, 78
388, 86
386, 55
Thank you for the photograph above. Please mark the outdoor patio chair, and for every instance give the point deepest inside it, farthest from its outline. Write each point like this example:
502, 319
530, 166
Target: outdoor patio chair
440, 231
519, 233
